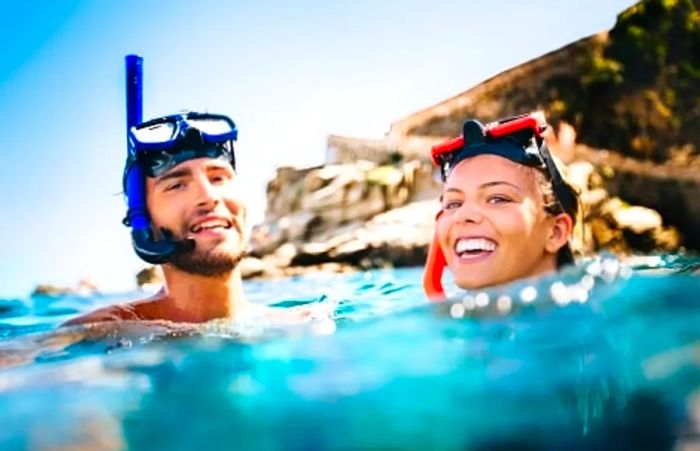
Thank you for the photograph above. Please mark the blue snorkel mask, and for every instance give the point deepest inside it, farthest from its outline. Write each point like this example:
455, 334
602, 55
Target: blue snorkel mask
155, 147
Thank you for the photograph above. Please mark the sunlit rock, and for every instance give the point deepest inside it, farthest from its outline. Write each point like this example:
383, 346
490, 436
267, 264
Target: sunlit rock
579, 174
149, 278
637, 219
251, 267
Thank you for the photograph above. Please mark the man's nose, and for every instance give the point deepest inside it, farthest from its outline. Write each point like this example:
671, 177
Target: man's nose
207, 193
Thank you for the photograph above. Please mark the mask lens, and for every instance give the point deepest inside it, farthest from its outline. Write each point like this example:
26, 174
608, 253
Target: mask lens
210, 125
157, 133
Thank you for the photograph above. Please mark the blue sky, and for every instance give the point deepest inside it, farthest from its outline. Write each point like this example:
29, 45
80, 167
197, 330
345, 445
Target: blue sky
289, 74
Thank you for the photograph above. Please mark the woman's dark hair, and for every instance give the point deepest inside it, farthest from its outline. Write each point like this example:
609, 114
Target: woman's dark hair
569, 203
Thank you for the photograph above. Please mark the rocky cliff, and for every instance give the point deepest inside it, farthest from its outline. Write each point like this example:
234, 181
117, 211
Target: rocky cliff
341, 216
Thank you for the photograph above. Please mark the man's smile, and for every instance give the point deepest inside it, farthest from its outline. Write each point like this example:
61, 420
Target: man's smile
210, 223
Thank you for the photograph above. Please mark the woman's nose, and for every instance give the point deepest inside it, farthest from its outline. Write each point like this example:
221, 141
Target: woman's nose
468, 212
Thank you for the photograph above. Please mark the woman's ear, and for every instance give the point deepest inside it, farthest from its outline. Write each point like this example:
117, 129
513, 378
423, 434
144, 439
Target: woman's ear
559, 233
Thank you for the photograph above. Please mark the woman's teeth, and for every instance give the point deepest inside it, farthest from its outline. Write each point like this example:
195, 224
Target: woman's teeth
474, 245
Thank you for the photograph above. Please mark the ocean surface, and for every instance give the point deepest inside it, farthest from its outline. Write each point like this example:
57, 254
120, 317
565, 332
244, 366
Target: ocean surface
603, 356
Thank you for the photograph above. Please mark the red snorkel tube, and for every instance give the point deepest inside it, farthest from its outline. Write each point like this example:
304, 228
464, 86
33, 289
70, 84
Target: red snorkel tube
434, 267
435, 262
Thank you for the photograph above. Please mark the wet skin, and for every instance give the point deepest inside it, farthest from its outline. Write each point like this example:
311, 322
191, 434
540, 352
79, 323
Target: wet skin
494, 208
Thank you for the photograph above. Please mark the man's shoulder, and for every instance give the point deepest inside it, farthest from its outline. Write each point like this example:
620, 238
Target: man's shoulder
128, 311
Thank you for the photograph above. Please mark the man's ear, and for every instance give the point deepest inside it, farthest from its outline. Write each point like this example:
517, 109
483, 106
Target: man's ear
559, 233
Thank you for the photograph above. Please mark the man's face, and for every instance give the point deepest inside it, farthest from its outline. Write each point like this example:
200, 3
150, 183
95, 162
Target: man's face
199, 199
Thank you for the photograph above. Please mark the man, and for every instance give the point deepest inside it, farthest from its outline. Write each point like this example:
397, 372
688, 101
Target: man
186, 214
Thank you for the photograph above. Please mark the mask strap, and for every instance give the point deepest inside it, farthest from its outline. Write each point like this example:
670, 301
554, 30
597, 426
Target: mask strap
555, 175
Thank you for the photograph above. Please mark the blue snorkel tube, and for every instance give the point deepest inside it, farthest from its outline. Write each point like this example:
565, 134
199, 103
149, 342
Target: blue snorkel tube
146, 247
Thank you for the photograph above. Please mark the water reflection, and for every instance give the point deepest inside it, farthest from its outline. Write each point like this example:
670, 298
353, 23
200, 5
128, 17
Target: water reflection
488, 371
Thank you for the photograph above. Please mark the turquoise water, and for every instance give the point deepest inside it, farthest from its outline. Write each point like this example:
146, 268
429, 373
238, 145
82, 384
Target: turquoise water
598, 358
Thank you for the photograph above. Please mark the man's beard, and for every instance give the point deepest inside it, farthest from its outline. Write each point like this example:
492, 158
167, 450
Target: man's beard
213, 263
208, 264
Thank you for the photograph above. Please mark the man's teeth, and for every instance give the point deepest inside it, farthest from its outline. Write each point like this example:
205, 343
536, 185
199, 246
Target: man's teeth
213, 224
474, 244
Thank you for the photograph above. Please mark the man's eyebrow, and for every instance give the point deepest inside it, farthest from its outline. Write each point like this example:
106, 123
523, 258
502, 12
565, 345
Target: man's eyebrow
177, 173
217, 166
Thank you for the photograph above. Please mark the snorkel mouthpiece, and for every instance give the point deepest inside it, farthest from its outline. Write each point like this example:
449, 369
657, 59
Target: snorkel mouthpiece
158, 252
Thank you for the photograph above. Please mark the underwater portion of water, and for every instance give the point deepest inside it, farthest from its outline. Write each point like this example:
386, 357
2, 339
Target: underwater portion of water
599, 357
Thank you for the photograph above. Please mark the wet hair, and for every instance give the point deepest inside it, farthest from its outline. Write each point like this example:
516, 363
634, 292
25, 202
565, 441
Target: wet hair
569, 203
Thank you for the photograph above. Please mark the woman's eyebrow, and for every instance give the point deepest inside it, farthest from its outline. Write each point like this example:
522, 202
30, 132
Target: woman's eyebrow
499, 182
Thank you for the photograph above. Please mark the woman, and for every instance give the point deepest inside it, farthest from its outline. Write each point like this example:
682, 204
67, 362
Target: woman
506, 211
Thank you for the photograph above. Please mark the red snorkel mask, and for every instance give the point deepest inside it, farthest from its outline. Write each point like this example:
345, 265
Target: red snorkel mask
518, 139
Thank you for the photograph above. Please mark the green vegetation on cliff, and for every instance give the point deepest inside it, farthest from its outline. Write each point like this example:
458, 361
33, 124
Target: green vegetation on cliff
638, 92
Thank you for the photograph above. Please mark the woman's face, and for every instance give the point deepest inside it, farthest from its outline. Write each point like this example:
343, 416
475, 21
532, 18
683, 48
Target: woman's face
493, 228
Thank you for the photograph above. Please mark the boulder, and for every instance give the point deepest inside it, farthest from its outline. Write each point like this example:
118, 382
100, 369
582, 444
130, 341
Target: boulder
637, 219
149, 277
592, 200
251, 267
579, 174
268, 236
83, 288
284, 255
604, 235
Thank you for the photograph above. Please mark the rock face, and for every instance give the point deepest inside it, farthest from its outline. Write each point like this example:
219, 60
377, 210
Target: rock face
398, 237
84, 287
349, 215
325, 202
671, 188
149, 278
612, 224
